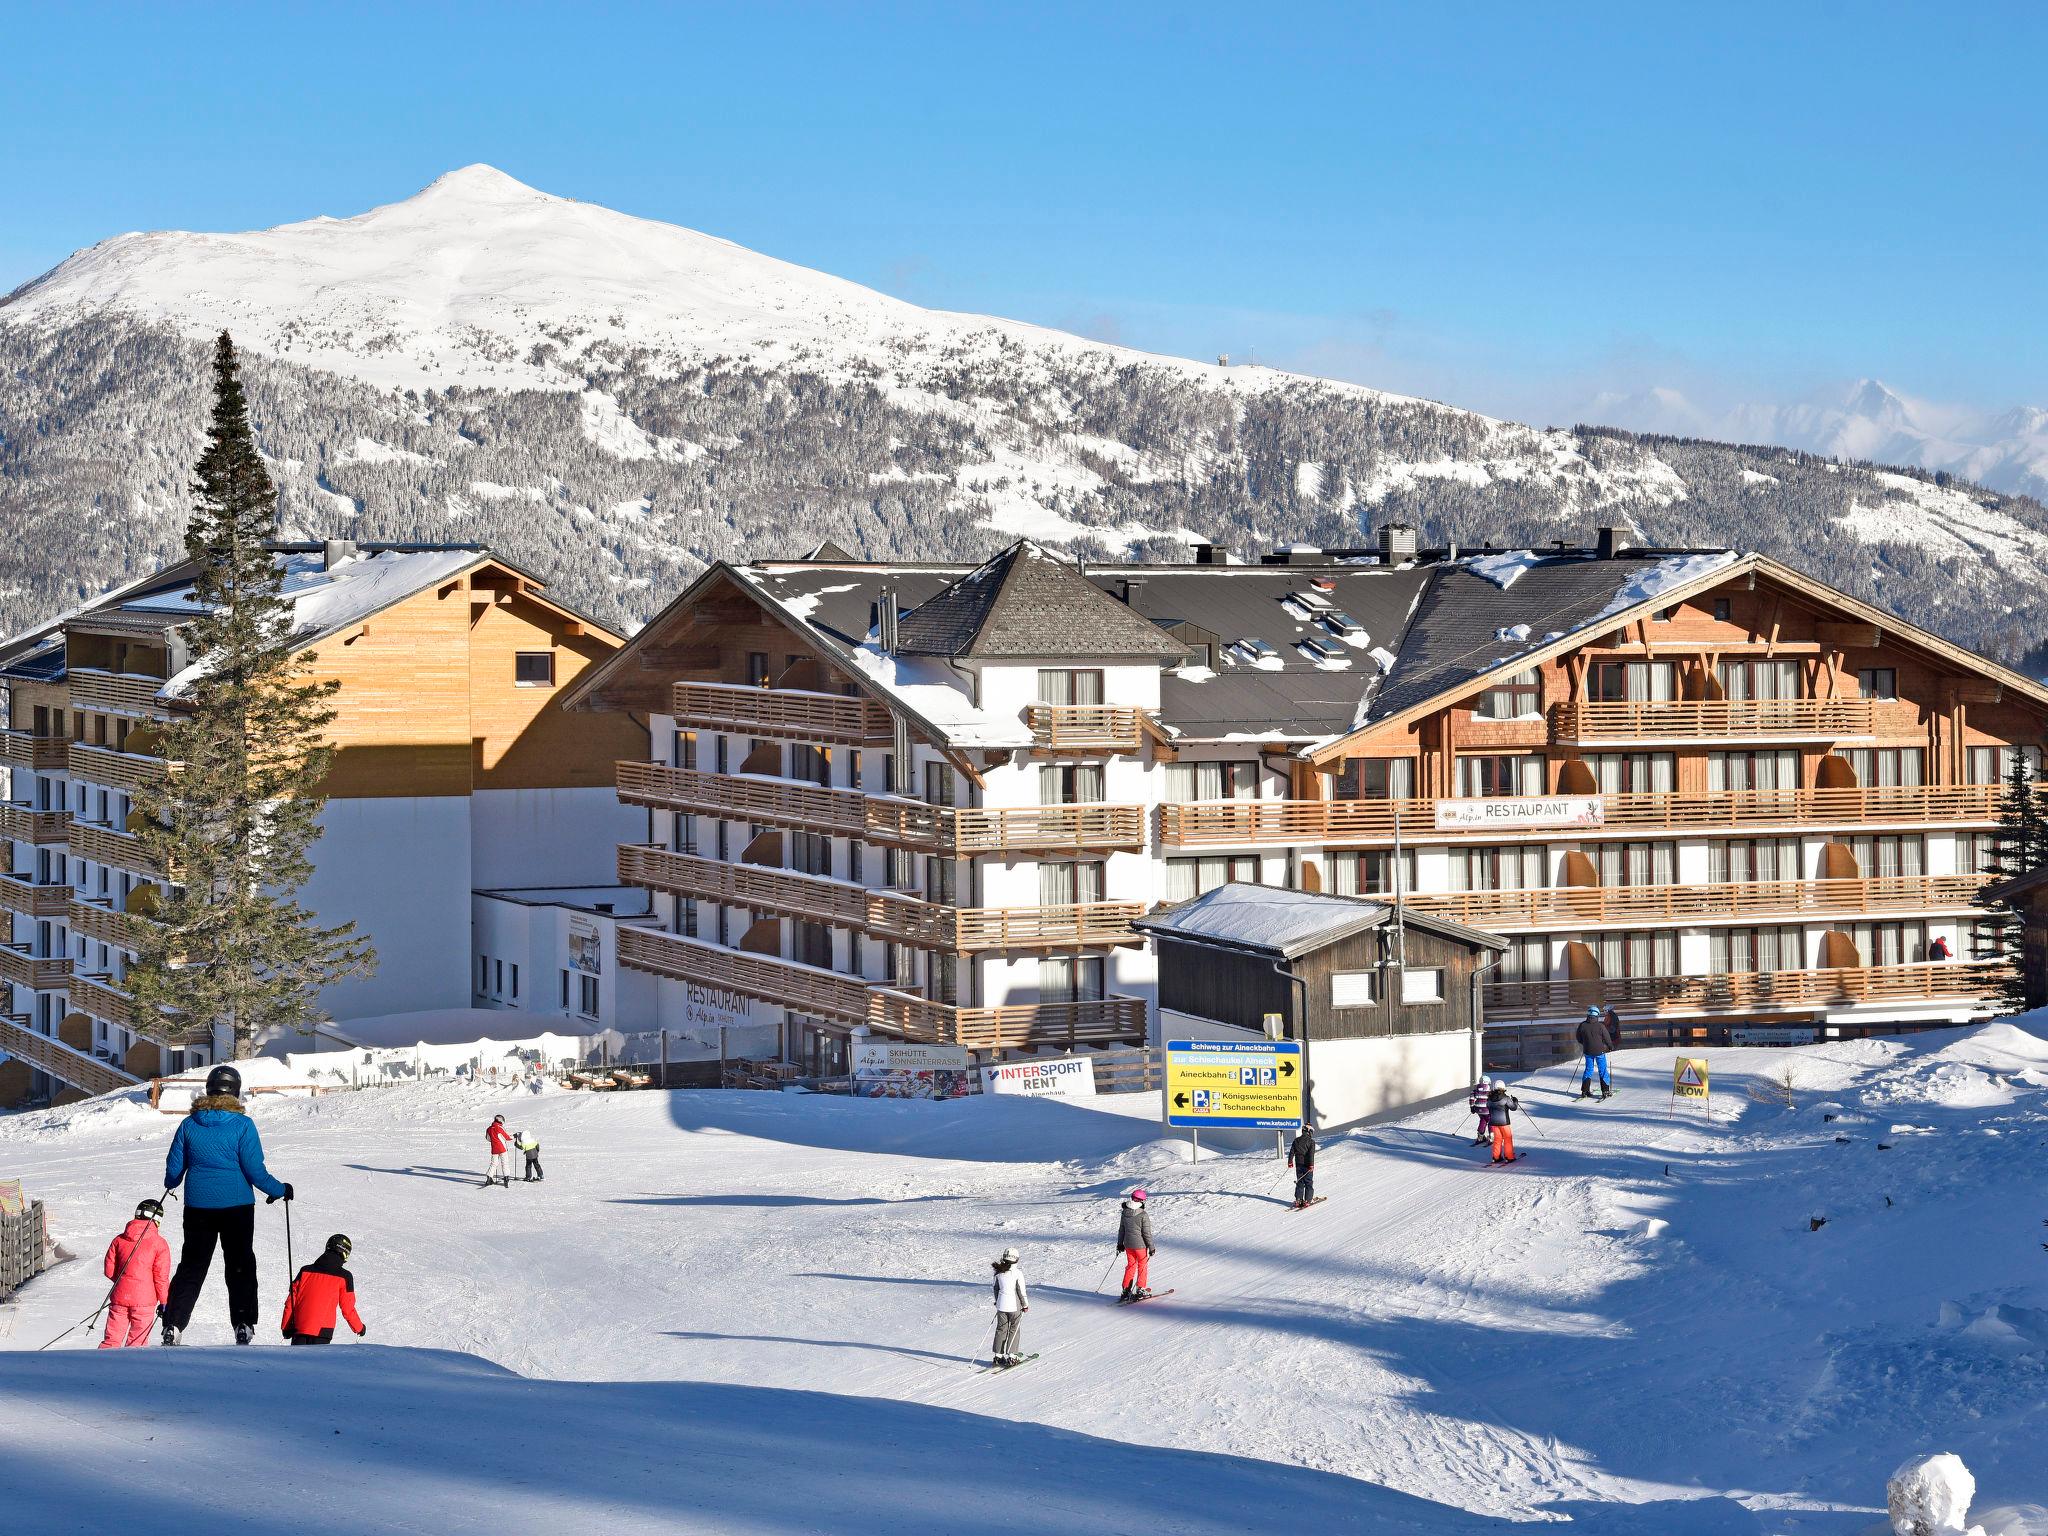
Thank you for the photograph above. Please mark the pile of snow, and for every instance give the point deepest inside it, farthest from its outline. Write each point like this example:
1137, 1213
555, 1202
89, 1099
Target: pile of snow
1930, 1496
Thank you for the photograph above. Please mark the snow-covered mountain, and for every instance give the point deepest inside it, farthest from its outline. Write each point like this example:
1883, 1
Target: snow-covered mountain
617, 401
1867, 420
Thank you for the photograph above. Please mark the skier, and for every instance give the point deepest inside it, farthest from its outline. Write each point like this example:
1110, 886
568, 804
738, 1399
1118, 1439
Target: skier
218, 1147
1596, 1039
529, 1143
500, 1141
139, 1264
1012, 1302
1301, 1157
319, 1289
1498, 1104
1475, 1103
1134, 1242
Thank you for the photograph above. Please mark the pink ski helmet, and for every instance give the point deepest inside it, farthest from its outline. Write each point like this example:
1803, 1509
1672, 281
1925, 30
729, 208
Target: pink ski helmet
1138, 1195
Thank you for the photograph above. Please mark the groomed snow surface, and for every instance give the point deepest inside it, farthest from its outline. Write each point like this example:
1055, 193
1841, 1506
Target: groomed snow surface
760, 1312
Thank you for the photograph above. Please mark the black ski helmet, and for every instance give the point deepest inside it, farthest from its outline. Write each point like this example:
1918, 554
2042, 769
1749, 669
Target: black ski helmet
340, 1244
224, 1079
151, 1210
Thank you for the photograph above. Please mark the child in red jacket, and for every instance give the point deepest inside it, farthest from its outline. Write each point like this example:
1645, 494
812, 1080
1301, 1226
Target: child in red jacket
500, 1142
139, 1264
321, 1287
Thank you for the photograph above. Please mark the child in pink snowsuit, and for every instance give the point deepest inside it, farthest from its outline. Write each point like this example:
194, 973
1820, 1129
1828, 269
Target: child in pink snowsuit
139, 1264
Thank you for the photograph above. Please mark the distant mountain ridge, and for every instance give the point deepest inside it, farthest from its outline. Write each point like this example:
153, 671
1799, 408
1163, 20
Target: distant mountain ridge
617, 401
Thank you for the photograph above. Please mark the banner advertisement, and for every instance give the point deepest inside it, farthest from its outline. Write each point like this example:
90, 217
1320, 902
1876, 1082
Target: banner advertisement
898, 1069
1065, 1077
1521, 811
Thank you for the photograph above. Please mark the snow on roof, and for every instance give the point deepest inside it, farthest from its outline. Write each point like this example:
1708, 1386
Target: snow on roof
1655, 581
1265, 917
929, 689
1503, 570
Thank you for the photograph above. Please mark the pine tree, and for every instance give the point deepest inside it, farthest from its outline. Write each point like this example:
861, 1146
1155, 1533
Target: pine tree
232, 823
2020, 844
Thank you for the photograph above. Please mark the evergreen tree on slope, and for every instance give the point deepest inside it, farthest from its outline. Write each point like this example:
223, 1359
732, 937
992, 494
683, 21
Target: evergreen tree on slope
233, 822
2019, 844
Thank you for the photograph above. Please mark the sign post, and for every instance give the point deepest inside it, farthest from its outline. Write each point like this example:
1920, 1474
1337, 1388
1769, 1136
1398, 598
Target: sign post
1233, 1084
1689, 1080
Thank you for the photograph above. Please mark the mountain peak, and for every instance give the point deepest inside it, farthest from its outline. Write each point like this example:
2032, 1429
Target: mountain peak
479, 183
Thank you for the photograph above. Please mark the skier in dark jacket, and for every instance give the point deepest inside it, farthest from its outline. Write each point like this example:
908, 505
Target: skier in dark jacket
1498, 1105
1596, 1039
218, 1156
1301, 1157
1134, 1242
321, 1288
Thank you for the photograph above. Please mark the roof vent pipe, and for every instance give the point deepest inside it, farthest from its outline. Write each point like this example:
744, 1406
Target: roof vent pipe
885, 620
1130, 585
1398, 542
1610, 542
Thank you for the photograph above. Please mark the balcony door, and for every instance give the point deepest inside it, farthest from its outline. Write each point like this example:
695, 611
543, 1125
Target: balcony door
1070, 685
1071, 979
1758, 678
1070, 882
1070, 784
1632, 682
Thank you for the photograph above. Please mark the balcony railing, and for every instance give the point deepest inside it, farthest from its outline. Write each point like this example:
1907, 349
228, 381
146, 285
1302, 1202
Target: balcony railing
32, 900
122, 770
1241, 823
1086, 728
1955, 981
27, 826
881, 819
98, 996
37, 973
1569, 906
86, 1073
785, 712
103, 845
849, 1000
123, 693
46, 754
884, 914
104, 925
1710, 719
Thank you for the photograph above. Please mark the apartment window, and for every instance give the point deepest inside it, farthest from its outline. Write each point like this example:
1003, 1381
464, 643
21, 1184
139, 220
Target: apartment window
1516, 699
721, 755
682, 833
757, 668
565, 990
1376, 778
586, 996
99, 730
1652, 953
683, 749
1638, 682
1757, 678
1070, 784
1069, 979
941, 880
514, 994
1067, 685
1634, 773
1890, 858
1516, 867
1370, 873
1878, 682
1353, 989
1976, 853
897, 961
902, 869
938, 783
810, 853
1499, 774
814, 945
1750, 859
483, 973
811, 764
1070, 882
856, 861
686, 916
1887, 767
1525, 960
1724, 609
1637, 863
1752, 770
498, 970
1422, 986
944, 970
888, 773
1212, 781
1889, 943
1189, 878
853, 779
534, 669
1990, 765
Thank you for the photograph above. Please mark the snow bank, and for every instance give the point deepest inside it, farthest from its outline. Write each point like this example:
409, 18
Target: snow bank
1930, 1496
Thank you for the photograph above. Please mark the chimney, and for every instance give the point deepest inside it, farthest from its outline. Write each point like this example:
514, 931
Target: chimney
1609, 542
1130, 585
1397, 543
334, 551
885, 620
1208, 554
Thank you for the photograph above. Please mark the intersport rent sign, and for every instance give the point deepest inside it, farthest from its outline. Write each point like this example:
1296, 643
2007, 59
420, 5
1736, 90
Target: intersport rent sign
1063, 1077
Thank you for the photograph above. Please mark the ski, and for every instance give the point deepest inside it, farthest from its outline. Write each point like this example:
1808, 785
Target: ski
1319, 1199
992, 1368
1132, 1301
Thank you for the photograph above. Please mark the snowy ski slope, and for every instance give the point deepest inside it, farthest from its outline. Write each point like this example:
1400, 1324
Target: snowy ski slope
1635, 1329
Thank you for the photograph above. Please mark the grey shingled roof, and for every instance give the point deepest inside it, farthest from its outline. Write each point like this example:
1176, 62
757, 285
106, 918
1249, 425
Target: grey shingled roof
1028, 602
1284, 923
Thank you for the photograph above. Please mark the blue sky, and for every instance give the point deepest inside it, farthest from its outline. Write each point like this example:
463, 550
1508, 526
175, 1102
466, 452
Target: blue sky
1511, 207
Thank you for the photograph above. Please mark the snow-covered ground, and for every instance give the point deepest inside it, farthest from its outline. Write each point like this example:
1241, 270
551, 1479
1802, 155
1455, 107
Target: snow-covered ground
761, 1312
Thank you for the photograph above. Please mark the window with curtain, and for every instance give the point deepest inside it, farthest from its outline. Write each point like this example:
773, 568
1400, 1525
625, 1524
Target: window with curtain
810, 853
938, 784
1189, 878
1635, 953
1483, 776
1886, 767
1758, 950
1890, 857
943, 969
1637, 863
1634, 773
1877, 682
1889, 943
1070, 979
1515, 867
1376, 778
1975, 852
1753, 859
1752, 770
683, 750
1212, 781
1369, 873
1759, 678
1070, 882
941, 880
1516, 699
1989, 765
1070, 784
1525, 960
1069, 685
1638, 682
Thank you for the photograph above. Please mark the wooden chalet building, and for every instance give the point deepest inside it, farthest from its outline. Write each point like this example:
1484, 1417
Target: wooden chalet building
455, 768
933, 800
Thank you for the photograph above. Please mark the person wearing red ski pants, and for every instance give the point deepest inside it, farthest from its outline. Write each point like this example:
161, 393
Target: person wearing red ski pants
1503, 1143
1137, 1268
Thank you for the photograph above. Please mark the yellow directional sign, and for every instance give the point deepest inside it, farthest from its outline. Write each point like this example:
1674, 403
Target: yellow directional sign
1689, 1077
1251, 1084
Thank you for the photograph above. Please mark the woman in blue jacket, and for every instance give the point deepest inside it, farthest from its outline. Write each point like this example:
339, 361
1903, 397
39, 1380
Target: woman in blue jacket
218, 1157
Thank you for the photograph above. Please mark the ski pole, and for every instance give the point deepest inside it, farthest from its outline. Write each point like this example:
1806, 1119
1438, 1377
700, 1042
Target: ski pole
1105, 1271
1530, 1116
106, 1300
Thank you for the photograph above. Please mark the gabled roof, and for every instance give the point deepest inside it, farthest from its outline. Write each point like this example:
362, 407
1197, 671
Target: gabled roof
1281, 923
1027, 602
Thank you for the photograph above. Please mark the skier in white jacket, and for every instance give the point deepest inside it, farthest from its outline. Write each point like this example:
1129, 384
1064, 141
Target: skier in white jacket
1012, 1302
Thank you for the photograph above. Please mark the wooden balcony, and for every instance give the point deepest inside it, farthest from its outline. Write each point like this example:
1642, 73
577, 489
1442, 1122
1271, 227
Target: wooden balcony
32, 900
128, 771
1571, 906
1090, 729
121, 693
120, 850
883, 819
20, 750
784, 712
98, 996
38, 827
38, 975
1712, 720
86, 1073
849, 1000
1250, 823
892, 915
1636, 997
104, 925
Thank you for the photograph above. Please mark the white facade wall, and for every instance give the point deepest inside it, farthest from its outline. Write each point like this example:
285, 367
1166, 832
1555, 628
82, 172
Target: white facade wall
399, 868
556, 837
543, 938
